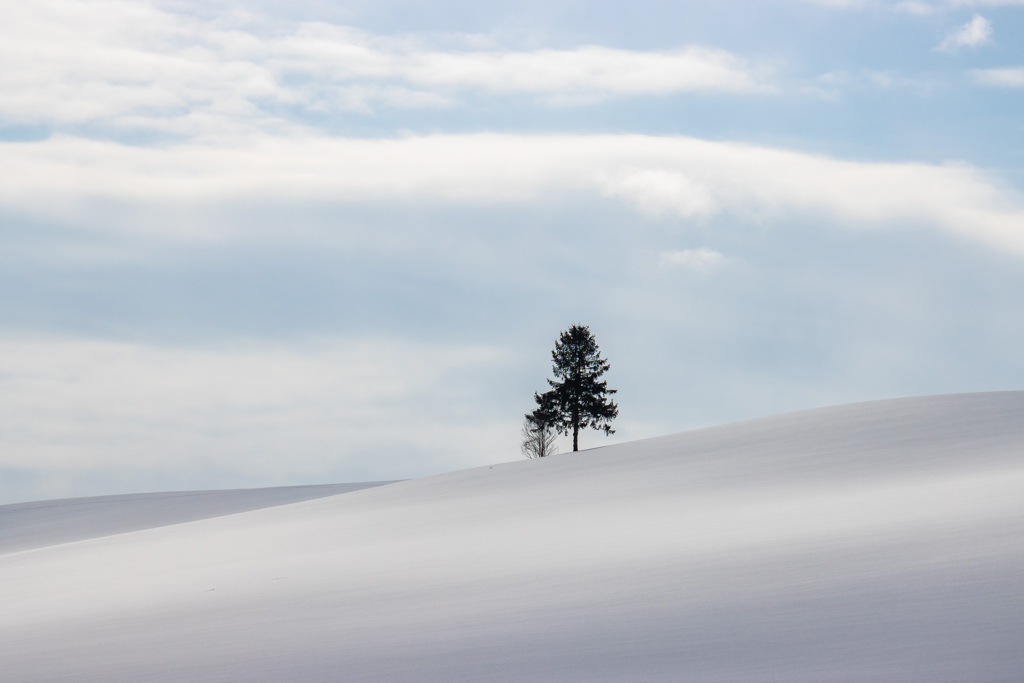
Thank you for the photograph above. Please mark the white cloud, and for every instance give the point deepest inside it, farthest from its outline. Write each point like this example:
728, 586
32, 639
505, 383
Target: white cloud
1001, 78
975, 33
273, 412
124, 64
701, 260
916, 7
589, 70
659, 192
673, 176
834, 84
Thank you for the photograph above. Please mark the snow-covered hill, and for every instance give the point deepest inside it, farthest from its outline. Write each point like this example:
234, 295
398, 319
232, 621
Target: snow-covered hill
881, 541
24, 526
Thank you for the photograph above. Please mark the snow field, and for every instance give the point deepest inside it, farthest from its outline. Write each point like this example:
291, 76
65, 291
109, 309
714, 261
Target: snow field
878, 541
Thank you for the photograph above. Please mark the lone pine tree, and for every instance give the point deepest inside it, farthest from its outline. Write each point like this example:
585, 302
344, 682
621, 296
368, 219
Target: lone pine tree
578, 398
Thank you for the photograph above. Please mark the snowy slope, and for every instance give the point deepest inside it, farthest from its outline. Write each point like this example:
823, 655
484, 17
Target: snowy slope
24, 526
872, 542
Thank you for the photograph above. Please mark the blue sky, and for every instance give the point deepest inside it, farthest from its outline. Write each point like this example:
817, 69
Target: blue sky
265, 243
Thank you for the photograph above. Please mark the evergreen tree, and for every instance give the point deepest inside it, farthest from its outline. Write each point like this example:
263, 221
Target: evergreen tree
578, 398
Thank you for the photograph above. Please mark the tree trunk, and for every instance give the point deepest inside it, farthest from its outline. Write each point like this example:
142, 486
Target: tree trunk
575, 436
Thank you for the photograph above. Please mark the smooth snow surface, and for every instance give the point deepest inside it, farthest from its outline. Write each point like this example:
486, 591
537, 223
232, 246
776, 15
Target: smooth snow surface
24, 526
873, 542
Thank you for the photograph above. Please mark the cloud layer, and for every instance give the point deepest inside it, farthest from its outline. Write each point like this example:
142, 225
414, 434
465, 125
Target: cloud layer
133, 65
1001, 78
667, 176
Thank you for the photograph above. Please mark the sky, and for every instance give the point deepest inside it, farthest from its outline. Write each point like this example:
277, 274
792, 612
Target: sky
268, 243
